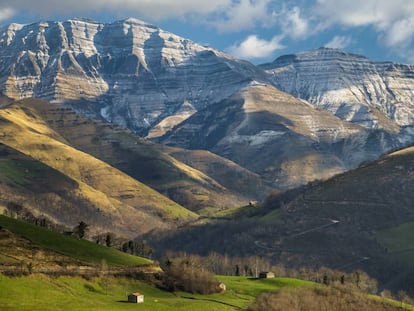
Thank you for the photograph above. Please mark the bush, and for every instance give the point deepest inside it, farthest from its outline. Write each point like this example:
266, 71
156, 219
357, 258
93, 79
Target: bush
185, 275
319, 298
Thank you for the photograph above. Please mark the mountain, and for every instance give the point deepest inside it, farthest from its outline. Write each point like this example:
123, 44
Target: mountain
354, 88
52, 157
362, 219
195, 179
179, 93
280, 137
132, 73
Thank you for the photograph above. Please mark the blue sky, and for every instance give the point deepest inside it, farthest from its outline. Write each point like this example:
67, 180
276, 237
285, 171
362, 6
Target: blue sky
256, 30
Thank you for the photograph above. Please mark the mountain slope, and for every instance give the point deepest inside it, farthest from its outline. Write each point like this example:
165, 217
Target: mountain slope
362, 219
115, 198
282, 138
372, 94
157, 166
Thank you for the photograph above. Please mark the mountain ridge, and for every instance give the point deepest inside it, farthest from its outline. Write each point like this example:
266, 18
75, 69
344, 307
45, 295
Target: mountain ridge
349, 85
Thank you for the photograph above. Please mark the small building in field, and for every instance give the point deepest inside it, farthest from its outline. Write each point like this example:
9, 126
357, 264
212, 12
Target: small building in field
136, 298
266, 275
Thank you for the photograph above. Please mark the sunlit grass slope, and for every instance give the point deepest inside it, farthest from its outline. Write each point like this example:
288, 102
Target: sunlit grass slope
194, 179
134, 207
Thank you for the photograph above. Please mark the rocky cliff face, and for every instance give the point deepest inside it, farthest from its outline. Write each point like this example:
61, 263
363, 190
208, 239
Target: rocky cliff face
372, 94
131, 73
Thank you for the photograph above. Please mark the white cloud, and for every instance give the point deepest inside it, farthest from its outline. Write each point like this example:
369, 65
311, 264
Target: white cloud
339, 42
363, 13
254, 48
242, 15
6, 13
293, 24
151, 9
393, 20
224, 15
399, 33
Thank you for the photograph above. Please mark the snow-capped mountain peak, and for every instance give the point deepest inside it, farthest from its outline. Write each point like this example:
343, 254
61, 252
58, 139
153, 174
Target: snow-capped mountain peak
135, 72
372, 94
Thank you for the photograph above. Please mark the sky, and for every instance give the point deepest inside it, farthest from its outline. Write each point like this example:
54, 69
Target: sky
255, 30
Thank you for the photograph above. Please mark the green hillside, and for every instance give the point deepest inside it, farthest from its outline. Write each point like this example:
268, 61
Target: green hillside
399, 242
101, 291
80, 250
42, 293
361, 219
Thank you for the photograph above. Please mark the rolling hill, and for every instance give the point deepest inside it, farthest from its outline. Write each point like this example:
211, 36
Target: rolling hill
51, 252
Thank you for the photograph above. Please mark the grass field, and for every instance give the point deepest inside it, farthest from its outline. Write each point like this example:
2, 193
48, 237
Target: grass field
79, 249
21, 171
37, 292
399, 242
40, 292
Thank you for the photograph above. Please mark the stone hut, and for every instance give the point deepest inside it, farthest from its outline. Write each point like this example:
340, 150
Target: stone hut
136, 298
266, 275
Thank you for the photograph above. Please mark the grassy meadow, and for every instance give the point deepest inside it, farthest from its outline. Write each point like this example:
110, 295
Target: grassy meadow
399, 242
38, 292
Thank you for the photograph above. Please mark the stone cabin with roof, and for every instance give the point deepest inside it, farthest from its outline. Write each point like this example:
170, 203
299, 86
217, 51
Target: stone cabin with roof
136, 298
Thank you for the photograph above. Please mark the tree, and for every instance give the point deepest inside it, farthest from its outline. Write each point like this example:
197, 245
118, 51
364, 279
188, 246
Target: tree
185, 274
237, 273
80, 230
109, 240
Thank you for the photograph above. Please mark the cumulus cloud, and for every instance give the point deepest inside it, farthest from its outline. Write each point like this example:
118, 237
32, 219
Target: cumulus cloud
255, 48
243, 14
399, 33
293, 23
224, 15
339, 42
6, 13
393, 20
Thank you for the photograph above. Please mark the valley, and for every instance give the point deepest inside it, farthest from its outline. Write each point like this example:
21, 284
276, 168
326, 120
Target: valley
126, 137
340, 223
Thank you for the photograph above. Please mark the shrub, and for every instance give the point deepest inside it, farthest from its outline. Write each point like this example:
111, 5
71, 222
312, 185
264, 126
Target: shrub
319, 298
185, 275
